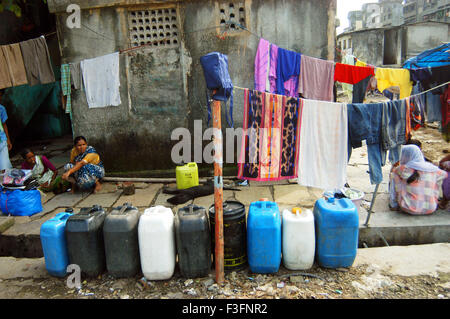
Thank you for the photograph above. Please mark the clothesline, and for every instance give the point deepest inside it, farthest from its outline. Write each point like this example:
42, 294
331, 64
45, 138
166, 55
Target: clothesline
424, 92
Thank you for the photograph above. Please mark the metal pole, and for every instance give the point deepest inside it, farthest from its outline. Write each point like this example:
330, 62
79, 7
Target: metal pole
218, 191
371, 205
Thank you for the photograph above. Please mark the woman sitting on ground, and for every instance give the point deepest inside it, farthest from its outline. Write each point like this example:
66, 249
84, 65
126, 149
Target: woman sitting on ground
444, 164
415, 184
85, 168
42, 170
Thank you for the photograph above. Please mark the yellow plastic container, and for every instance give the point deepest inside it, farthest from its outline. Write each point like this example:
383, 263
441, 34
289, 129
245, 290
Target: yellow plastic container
187, 176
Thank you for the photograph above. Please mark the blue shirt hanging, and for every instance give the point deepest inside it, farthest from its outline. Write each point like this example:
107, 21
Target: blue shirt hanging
215, 69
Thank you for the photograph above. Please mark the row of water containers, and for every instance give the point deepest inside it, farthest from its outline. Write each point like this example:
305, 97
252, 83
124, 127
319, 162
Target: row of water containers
124, 242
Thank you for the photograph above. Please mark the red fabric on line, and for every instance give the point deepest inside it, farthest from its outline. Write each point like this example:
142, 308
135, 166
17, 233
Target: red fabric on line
352, 74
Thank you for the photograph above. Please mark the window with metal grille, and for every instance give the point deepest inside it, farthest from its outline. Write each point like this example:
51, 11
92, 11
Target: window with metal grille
155, 28
232, 14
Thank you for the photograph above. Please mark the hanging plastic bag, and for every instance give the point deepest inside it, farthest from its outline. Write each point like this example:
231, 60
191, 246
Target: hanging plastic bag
215, 70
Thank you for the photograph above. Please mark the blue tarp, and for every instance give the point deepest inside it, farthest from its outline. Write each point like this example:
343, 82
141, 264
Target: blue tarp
438, 56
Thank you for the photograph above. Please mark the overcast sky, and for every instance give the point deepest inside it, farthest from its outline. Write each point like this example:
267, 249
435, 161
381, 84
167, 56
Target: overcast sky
344, 7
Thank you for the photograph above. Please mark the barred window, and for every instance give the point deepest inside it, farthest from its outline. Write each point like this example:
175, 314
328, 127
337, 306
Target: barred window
233, 13
156, 28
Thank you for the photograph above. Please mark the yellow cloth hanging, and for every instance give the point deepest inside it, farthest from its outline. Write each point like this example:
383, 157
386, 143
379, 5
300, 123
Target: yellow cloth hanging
360, 63
394, 77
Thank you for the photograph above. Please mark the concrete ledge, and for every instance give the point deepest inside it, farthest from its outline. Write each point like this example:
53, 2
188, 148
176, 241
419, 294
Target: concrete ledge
5, 223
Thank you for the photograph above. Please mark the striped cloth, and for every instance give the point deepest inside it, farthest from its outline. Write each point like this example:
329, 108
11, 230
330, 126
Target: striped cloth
66, 86
421, 196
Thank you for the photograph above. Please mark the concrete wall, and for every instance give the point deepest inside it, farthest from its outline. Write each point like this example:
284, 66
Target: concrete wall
164, 89
422, 37
368, 45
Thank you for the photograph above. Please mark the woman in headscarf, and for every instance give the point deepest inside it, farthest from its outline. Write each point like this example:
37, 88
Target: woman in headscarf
415, 184
44, 172
85, 166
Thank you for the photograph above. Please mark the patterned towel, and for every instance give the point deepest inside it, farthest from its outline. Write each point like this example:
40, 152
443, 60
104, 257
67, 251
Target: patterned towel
269, 149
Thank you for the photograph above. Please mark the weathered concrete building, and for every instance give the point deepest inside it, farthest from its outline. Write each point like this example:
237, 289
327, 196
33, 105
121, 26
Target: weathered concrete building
162, 85
394, 45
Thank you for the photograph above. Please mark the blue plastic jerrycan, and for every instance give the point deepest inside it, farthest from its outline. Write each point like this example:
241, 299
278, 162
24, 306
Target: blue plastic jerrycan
54, 245
337, 231
264, 237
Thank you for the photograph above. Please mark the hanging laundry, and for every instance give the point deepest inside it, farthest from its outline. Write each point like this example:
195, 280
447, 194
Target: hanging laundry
446, 114
323, 145
288, 70
408, 127
15, 64
75, 75
433, 106
417, 114
364, 123
360, 89
351, 74
66, 87
101, 80
401, 78
360, 63
271, 131
37, 61
393, 132
273, 68
439, 75
316, 79
5, 78
419, 75
348, 88
261, 65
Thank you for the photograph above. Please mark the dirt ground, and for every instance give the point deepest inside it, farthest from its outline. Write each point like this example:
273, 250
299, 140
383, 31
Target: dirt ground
363, 282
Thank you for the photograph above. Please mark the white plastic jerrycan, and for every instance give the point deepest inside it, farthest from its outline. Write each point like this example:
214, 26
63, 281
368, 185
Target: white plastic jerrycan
298, 239
156, 235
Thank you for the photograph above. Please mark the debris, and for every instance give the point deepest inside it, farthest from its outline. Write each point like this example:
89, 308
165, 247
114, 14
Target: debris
280, 284
338, 292
188, 282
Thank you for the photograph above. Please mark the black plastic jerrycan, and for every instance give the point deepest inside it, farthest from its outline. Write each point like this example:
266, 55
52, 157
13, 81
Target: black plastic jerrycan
84, 234
120, 232
193, 241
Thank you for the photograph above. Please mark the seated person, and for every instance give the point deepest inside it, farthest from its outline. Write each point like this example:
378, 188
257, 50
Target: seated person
85, 168
415, 184
42, 170
444, 164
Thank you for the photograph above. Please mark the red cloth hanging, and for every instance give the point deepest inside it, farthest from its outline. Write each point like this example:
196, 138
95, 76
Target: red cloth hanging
445, 99
351, 74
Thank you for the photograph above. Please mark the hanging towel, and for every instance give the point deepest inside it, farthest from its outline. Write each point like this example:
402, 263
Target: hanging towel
394, 77
269, 149
101, 80
261, 65
5, 78
351, 74
323, 145
288, 70
393, 132
273, 68
66, 86
14, 60
316, 79
37, 61
75, 75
